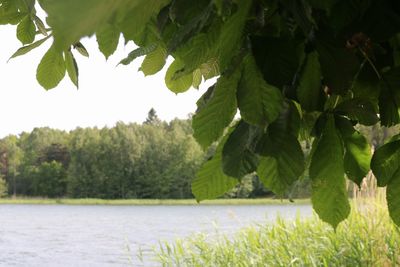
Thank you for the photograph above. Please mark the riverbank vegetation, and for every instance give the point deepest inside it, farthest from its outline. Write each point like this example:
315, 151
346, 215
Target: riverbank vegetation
97, 201
367, 238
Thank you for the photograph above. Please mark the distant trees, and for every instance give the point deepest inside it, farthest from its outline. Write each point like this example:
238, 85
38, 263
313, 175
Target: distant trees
11, 156
3, 188
155, 159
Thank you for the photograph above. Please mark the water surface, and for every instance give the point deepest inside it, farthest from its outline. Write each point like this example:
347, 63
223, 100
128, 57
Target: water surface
64, 235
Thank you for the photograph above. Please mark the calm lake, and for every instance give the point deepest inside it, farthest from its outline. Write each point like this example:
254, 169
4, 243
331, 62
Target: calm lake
63, 235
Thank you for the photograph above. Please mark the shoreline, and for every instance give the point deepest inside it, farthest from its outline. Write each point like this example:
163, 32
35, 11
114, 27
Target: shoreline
149, 202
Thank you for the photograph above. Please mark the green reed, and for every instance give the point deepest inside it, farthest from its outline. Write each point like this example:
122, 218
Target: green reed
367, 238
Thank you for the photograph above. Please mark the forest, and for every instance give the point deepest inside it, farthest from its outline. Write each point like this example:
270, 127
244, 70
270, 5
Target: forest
154, 159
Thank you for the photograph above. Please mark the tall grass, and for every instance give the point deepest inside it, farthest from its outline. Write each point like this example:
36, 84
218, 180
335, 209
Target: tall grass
366, 238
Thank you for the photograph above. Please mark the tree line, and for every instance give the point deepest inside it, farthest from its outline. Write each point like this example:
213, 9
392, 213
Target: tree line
155, 159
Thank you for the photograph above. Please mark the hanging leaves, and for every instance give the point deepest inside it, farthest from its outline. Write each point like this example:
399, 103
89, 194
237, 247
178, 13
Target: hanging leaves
286, 69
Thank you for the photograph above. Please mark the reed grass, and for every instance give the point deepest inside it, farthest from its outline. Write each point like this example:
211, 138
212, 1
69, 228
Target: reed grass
367, 238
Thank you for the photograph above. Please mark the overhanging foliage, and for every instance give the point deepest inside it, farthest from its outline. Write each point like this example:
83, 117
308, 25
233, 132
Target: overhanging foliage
283, 64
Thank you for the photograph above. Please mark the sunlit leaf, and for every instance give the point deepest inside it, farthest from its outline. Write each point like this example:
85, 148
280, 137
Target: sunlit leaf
180, 84
26, 30
81, 49
108, 38
25, 49
72, 67
154, 61
40, 25
258, 101
218, 111
138, 52
51, 69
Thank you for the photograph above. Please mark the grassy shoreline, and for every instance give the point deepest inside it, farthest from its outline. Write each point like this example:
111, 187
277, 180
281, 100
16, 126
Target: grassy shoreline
367, 238
138, 202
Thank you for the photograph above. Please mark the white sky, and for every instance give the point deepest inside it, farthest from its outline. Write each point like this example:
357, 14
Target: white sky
106, 93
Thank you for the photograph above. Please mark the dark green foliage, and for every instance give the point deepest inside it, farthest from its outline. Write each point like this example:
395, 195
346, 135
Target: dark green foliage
152, 160
49, 179
335, 61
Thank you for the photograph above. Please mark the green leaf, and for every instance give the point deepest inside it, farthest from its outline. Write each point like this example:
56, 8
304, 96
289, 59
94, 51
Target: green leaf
197, 78
258, 101
309, 91
385, 162
10, 13
388, 108
108, 38
180, 84
288, 120
281, 163
389, 99
366, 85
83, 18
231, 36
210, 69
392, 197
200, 52
196, 23
277, 59
81, 49
138, 52
183, 11
26, 30
212, 50
51, 69
357, 158
282, 159
135, 19
210, 181
324, 4
338, 64
217, 112
72, 67
360, 110
40, 25
329, 194
154, 61
392, 79
25, 49
238, 157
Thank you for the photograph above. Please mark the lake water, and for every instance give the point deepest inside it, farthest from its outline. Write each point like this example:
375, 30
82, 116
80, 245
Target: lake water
63, 235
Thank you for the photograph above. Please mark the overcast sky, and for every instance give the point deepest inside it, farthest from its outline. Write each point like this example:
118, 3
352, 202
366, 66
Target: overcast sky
106, 94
